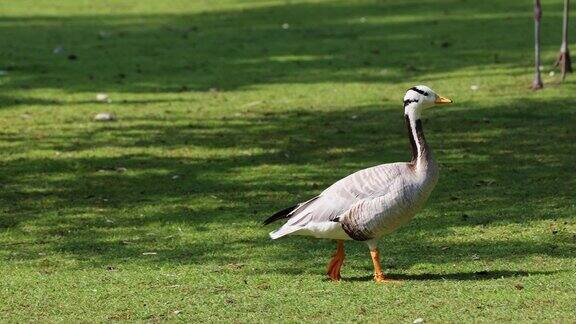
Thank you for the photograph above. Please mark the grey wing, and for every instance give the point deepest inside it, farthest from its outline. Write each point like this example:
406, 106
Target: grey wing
343, 194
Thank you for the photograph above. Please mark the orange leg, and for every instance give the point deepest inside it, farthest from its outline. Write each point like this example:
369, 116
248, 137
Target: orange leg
335, 264
378, 274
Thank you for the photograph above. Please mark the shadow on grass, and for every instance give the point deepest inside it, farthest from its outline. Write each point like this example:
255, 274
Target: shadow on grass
457, 276
329, 41
494, 173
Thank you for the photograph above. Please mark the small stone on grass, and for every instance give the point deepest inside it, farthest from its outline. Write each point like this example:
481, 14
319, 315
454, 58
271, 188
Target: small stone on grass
105, 116
102, 97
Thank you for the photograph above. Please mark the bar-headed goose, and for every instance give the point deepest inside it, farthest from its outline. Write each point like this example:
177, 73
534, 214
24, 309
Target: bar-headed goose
371, 202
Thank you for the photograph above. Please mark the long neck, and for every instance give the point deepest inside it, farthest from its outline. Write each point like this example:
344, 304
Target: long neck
420, 150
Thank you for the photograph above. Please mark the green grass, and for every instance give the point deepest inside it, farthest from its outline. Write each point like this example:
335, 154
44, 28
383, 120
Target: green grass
225, 117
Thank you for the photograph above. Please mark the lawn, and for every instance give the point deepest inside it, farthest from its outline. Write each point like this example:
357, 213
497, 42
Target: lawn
230, 110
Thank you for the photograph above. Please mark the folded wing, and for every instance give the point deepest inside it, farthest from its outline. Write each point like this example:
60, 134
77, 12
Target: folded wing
321, 212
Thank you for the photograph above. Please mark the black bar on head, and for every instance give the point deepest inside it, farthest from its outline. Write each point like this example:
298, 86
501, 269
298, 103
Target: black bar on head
409, 101
422, 92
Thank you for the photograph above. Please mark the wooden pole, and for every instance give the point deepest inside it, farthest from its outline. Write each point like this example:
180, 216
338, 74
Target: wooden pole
564, 60
537, 83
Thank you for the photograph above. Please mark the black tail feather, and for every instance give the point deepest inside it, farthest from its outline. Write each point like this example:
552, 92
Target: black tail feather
284, 213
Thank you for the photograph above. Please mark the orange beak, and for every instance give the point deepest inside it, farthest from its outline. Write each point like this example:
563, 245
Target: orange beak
442, 100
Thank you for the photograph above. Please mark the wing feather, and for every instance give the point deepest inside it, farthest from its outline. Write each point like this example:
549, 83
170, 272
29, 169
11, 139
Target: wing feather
343, 194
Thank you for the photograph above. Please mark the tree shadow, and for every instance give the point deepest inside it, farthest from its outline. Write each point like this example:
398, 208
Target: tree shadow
79, 203
330, 41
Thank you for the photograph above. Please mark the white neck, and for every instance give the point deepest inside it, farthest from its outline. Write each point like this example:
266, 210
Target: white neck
413, 111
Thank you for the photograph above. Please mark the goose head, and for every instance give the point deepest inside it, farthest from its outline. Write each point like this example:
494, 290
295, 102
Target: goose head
421, 97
